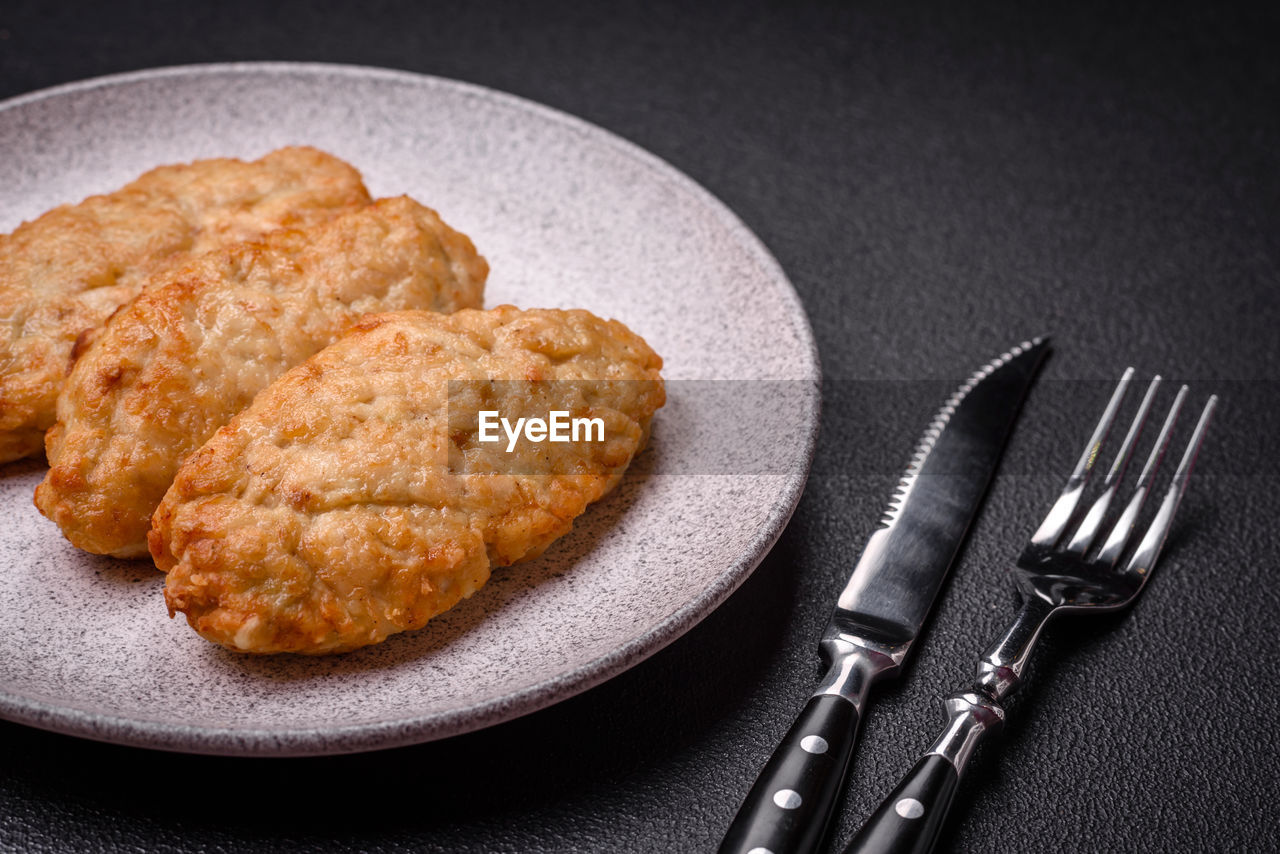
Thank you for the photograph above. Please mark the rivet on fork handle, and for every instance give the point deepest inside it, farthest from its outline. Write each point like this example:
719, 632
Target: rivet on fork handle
920, 801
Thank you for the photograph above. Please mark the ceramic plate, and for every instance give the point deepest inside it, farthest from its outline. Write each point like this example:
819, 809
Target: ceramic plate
568, 216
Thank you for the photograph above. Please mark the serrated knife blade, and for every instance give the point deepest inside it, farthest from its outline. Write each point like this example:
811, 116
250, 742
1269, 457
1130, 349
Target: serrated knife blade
883, 606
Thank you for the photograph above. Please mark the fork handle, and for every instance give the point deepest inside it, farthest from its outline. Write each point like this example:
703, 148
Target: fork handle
911, 817
909, 820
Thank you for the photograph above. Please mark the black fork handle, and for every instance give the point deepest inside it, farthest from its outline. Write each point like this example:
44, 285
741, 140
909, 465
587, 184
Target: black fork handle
911, 818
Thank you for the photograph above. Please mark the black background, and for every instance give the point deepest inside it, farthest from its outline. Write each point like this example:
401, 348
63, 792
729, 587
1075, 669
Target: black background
938, 182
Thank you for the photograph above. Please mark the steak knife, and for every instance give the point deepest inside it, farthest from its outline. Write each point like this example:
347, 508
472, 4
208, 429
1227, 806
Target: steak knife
881, 609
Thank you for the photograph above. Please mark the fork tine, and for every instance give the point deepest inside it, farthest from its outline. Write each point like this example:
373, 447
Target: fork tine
1055, 523
1088, 530
1123, 528
1144, 557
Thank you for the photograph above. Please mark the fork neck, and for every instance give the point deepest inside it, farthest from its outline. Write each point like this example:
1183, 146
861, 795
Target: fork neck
1003, 663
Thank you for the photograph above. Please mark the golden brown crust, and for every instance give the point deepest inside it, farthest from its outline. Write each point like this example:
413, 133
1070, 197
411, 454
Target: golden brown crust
326, 515
68, 270
204, 337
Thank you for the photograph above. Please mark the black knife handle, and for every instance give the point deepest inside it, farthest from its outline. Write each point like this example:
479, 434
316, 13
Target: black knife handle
910, 819
787, 810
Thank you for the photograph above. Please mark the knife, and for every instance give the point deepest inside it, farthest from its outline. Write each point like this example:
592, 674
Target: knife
881, 609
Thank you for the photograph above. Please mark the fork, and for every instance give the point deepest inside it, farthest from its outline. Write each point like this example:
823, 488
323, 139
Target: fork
1064, 569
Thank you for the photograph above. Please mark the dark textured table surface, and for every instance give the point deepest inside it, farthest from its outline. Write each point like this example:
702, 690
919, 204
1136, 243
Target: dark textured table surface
938, 183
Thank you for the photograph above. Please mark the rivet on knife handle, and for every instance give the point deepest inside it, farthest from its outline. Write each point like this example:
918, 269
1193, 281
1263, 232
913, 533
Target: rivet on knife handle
884, 604
788, 808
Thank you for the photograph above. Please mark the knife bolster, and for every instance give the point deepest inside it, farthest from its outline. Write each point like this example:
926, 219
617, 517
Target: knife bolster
854, 664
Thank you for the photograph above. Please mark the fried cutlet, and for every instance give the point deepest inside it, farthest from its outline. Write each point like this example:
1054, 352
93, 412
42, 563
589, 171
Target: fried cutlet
353, 499
65, 272
204, 337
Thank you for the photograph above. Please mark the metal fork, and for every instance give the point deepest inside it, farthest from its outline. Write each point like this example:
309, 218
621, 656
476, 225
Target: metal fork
1066, 568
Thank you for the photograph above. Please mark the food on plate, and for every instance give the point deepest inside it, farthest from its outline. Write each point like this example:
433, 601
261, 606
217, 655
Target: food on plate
356, 497
205, 336
68, 270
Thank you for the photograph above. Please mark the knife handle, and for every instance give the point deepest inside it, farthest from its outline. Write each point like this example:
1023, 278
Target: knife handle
788, 808
911, 818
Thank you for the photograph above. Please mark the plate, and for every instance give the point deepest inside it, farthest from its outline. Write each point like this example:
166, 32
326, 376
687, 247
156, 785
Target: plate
568, 215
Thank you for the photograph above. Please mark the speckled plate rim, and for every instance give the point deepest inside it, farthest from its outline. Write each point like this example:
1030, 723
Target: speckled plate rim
401, 731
